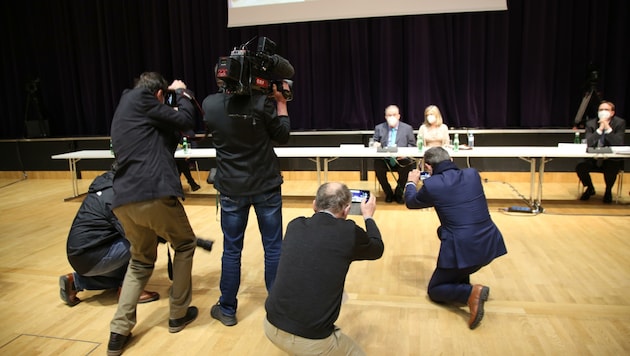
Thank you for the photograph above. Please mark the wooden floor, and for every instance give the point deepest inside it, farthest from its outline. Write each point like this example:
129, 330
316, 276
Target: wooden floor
562, 289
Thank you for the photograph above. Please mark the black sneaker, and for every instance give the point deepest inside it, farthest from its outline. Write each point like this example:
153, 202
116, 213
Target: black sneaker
177, 325
195, 187
227, 320
117, 343
607, 198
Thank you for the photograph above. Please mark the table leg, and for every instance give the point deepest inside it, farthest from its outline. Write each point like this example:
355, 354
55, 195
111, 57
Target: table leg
532, 177
326, 162
541, 173
73, 173
318, 167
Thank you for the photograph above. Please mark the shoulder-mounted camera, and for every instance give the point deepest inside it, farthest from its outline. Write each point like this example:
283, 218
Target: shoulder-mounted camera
246, 72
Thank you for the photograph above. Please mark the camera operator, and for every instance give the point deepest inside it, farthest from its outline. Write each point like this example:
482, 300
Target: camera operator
244, 129
146, 191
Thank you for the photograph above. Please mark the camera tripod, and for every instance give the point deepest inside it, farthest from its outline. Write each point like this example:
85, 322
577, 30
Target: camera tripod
36, 126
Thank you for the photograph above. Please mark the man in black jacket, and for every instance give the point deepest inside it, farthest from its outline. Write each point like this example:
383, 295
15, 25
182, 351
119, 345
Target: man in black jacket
244, 130
306, 297
96, 247
147, 189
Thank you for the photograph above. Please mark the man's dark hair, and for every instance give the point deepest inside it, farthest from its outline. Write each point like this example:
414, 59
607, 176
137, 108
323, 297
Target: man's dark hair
153, 81
612, 106
435, 155
332, 197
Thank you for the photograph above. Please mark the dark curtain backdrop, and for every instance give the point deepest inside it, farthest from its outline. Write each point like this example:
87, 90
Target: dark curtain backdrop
522, 68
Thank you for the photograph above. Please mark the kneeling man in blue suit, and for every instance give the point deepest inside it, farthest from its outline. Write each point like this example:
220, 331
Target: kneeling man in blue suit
469, 238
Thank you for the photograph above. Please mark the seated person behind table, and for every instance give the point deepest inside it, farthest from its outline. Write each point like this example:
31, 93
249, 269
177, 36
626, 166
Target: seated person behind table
317, 251
97, 248
606, 130
433, 130
183, 164
388, 134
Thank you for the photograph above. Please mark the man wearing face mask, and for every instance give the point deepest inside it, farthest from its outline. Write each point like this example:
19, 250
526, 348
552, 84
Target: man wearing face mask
606, 130
391, 133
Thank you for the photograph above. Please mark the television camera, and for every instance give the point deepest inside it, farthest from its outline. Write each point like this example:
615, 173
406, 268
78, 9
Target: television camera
246, 72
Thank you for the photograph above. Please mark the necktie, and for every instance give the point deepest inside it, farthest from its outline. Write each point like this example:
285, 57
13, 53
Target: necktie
602, 139
390, 143
392, 137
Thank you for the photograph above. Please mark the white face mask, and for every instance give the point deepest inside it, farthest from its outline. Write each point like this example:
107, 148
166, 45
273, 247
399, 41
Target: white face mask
431, 119
603, 114
392, 120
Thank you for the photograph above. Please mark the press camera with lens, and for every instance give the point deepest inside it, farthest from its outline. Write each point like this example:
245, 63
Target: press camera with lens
246, 72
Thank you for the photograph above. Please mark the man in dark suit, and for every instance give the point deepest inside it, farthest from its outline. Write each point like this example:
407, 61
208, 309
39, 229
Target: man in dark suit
306, 298
469, 238
391, 133
606, 130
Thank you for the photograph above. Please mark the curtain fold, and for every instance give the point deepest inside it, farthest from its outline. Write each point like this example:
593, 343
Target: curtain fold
525, 67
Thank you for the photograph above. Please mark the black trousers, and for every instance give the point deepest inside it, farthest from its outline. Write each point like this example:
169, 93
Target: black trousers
183, 166
610, 168
402, 167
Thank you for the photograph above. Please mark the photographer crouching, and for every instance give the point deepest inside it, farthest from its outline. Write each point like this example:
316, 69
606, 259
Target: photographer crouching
245, 121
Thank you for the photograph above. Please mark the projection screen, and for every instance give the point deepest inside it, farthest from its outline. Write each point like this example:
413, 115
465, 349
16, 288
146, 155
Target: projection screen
264, 12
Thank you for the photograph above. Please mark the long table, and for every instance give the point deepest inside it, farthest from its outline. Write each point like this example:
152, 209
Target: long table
536, 156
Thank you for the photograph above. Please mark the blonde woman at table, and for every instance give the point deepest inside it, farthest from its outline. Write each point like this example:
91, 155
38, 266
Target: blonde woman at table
433, 130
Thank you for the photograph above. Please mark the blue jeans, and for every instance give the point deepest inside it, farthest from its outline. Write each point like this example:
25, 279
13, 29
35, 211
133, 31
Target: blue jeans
234, 216
109, 272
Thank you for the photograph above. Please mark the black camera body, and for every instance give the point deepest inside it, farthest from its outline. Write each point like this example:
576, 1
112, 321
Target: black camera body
246, 72
170, 98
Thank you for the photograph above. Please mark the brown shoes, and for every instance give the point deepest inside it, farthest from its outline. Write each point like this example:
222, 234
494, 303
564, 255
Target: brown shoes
146, 296
67, 290
477, 297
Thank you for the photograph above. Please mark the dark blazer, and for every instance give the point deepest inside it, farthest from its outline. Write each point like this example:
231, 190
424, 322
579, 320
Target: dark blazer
95, 227
404, 136
144, 138
468, 234
244, 131
615, 138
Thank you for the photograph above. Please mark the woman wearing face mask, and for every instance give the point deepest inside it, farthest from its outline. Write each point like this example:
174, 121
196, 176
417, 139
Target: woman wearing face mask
433, 130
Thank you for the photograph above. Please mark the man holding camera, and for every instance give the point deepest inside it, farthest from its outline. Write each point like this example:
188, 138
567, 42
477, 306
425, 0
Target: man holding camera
244, 129
147, 189
97, 248
306, 298
469, 239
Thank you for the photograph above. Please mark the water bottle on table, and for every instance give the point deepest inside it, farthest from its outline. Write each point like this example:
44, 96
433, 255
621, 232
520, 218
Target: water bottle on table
185, 144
